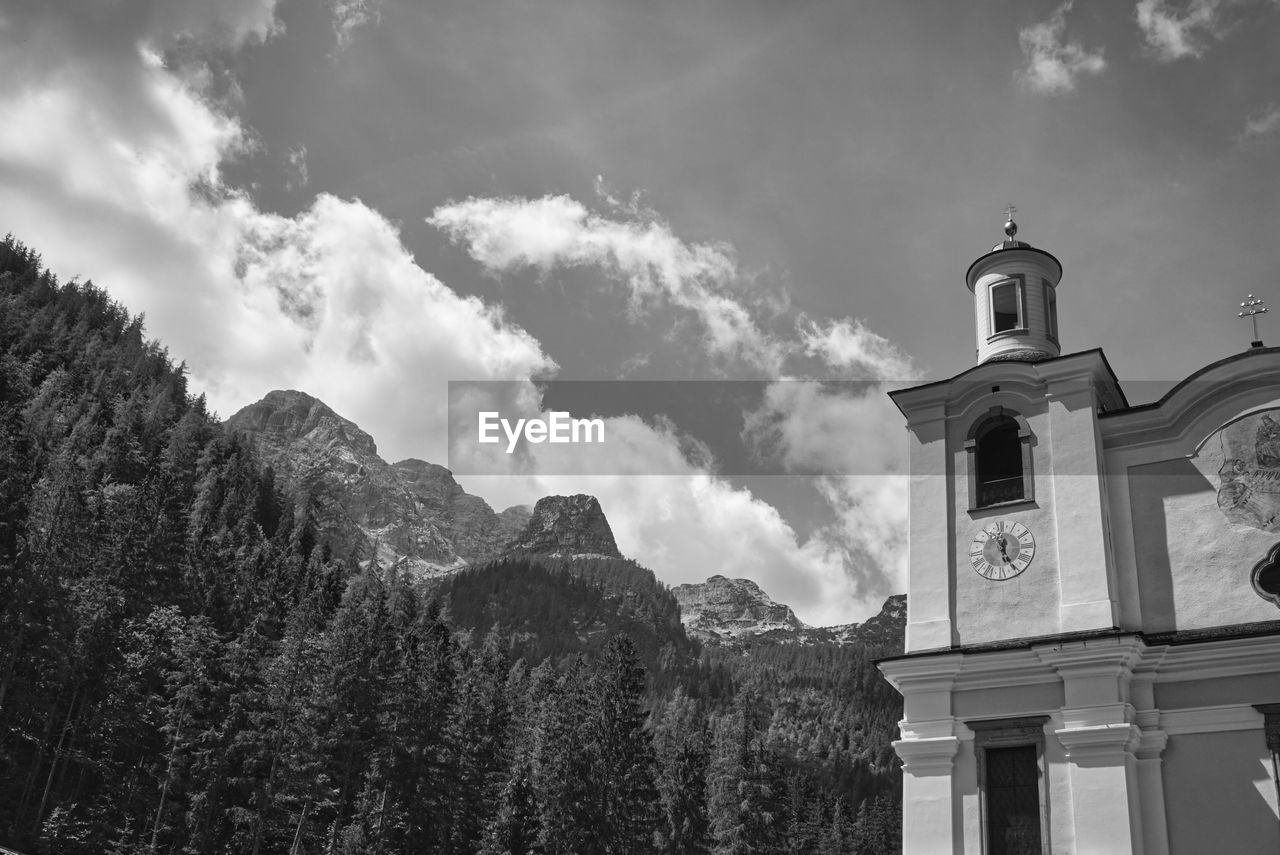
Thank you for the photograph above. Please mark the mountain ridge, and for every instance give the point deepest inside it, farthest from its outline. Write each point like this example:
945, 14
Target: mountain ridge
737, 612
413, 514
410, 513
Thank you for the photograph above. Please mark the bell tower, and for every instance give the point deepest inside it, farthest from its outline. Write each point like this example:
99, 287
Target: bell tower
1015, 300
1009, 521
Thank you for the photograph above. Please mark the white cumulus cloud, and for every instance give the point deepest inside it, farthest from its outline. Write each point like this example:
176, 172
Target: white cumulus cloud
848, 436
297, 174
507, 234
1171, 35
351, 15
114, 162
1263, 124
688, 527
838, 437
850, 345
1053, 63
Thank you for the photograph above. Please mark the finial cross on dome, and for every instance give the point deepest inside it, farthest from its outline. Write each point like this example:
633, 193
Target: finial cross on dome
1253, 306
1010, 227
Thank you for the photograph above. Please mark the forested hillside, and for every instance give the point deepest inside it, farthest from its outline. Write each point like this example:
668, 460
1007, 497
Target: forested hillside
185, 669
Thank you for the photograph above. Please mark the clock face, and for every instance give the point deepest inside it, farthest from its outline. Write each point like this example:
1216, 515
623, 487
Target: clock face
1002, 550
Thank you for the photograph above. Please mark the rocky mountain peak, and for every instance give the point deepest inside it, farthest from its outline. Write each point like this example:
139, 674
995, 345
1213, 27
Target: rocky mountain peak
734, 612
567, 525
287, 417
413, 512
722, 607
429, 479
889, 626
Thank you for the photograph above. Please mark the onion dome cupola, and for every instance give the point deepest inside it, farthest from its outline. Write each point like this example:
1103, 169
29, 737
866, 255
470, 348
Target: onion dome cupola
1015, 300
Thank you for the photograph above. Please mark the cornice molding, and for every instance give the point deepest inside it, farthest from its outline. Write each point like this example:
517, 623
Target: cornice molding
1151, 744
922, 673
1099, 745
1094, 657
927, 757
1211, 719
1005, 668
1234, 657
1089, 365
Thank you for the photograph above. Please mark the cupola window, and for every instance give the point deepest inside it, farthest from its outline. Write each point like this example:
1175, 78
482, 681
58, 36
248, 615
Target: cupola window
1000, 460
1007, 312
1051, 311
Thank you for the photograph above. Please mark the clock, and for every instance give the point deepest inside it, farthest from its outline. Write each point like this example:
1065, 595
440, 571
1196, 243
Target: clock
1002, 550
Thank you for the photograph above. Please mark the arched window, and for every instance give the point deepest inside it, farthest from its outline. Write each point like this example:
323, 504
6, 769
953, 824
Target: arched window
1000, 460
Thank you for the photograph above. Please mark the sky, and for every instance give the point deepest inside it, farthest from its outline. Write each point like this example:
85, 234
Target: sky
368, 199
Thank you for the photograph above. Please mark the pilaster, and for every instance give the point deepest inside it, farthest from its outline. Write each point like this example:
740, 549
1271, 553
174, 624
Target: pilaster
1149, 753
929, 562
1084, 560
928, 749
1100, 736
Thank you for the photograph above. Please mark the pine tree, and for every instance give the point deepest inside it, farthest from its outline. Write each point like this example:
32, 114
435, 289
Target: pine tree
626, 793
835, 838
478, 733
564, 766
516, 827
742, 789
680, 742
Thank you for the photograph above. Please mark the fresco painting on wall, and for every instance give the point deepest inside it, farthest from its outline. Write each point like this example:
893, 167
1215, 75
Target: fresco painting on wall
1246, 457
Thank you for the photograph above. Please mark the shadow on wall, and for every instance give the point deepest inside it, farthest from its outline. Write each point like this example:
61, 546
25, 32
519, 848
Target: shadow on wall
1150, 488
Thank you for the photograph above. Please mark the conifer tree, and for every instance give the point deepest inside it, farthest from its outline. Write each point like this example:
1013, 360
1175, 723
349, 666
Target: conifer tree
564, 766
680, 741
626, 794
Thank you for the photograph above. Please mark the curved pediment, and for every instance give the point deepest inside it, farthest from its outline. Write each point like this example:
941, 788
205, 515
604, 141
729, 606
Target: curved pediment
1185, 420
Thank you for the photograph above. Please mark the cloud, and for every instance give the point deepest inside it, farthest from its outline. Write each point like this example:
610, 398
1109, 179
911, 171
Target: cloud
848, 344
692, 526
115, 162
508, 234
1263, 124
296, 174
351, 15
228, 23
836, 432
1052, 63
686, 523
1171, 36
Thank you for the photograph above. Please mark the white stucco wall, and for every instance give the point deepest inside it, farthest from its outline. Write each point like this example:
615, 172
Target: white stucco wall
1067, 587
1219, 794
1192, 557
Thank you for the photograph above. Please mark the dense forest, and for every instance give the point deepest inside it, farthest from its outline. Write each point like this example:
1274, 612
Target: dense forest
185, 668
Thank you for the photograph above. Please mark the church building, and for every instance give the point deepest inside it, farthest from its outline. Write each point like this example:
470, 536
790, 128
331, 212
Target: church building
1092, 654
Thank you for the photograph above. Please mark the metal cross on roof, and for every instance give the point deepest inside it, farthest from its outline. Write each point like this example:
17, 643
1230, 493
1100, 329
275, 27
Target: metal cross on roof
1252, 308
1010, 227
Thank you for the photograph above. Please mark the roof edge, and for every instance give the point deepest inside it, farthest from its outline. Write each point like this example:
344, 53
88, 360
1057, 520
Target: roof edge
1164, 399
